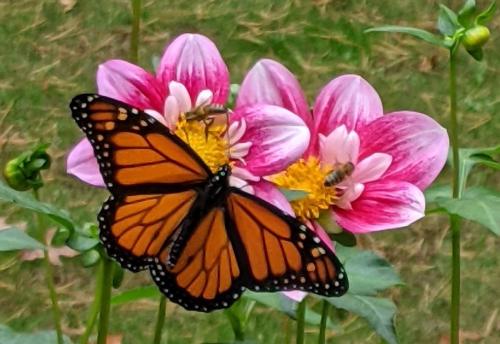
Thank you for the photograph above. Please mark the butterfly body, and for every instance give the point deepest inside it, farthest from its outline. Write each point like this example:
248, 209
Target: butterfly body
203, 240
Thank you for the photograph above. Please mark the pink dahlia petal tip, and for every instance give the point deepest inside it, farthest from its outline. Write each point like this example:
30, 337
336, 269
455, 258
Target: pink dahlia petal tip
130, 84
383, 205
417, 143
181, 94
195, 61
82, 164
295, 295
269, 82
372, 167
278, 138
347, 100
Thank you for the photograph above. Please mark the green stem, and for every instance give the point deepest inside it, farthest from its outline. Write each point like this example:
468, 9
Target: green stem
134, 36
49, 276
94, 310
105, 293
160, 320
239, 334
56, 312
301, 315
454, 220
324, 319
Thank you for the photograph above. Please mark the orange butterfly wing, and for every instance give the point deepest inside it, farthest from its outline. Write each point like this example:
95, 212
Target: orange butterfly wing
280, 252
247, 243
136, 153
207, 275
151, 173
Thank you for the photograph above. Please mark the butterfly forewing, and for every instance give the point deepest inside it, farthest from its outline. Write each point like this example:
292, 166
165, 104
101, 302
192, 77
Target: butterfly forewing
136, 153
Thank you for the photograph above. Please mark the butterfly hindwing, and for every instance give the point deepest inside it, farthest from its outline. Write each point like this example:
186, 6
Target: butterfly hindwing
135, 152
279, 252
207, 275
134, 229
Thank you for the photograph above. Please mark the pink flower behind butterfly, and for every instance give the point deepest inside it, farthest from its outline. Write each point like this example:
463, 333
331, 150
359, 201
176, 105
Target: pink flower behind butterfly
263, 138
395, 156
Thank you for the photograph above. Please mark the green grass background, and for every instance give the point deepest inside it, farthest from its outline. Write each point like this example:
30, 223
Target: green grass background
48, 55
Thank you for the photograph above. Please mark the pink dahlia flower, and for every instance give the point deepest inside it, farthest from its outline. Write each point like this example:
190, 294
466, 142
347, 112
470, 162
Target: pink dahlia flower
395, 156
264, 139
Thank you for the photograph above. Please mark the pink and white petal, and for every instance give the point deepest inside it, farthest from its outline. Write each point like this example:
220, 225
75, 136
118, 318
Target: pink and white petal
244, 174
159, 117
204, 98
383, 205
417, 143
271, 194
371, 168
195, 61
340, 146
278, 138
269, 82
295, 295
181, 94
130, 84
242, 184
82, 164
347, 100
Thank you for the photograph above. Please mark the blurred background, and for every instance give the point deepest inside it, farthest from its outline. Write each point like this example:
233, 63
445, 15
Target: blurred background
51, 50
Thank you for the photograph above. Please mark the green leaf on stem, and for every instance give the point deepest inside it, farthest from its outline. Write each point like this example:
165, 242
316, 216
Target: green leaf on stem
447, 21
379, 312
344, 238
486, 16
471, 156
329, 225
14, 239
466, 13
367, 272
27, 201
7, 335
418, 33
136, 294
477, 204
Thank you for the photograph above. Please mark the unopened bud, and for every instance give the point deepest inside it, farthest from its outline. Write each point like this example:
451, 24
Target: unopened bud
23, 172
474, 38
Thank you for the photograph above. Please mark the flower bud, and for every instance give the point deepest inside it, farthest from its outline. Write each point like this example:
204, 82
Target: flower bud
23, 172
90, 258
474, 38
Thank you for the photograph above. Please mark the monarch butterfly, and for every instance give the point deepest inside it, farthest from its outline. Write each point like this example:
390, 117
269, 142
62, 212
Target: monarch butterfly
203, 240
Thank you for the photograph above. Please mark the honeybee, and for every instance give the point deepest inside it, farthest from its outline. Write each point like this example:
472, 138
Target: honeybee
206, 114
340, 173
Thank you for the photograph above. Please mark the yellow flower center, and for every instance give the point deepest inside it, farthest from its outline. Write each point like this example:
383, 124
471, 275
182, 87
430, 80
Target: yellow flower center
308, 176
209, 143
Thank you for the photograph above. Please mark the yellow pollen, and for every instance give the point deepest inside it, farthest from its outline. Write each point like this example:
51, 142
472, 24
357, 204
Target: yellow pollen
309, 176
211, 145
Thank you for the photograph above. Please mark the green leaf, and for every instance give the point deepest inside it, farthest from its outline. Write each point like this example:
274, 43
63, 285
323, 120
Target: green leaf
41, 337
27, 201
293, 195
329, 225
287, 306
378, 312
344, 238
81, 243
437, 191
477, 204
13, 239
90, 258
367, 272
466, 13
447, 21
468, 157
418, 33
136, 294
485, 16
